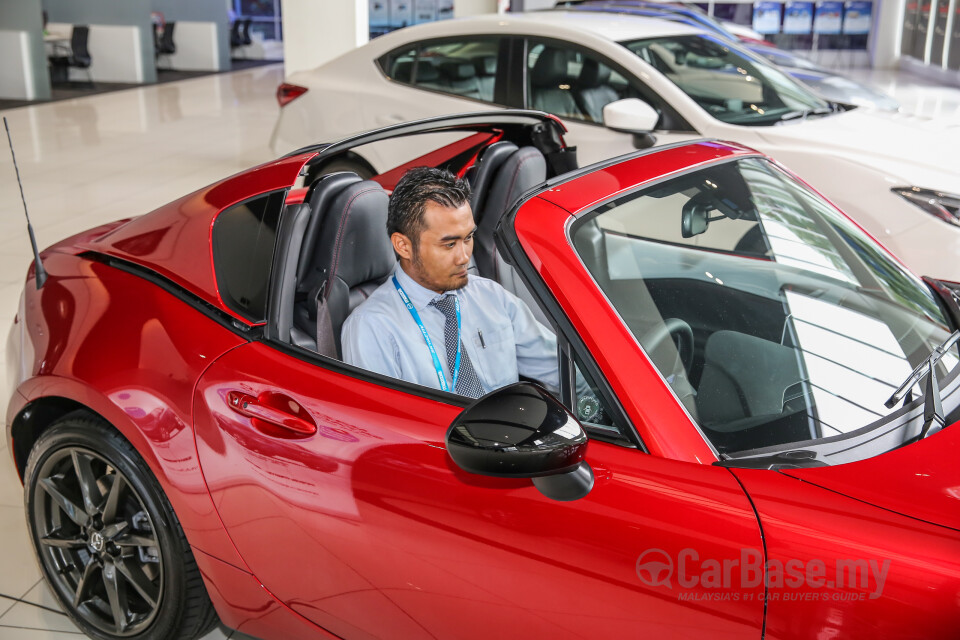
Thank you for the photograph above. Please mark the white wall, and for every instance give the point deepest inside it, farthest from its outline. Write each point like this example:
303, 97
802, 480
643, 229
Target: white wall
463, 8
16, 72
315, 32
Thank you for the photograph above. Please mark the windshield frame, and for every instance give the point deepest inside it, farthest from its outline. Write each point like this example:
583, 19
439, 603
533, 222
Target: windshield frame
864, 442
769, 75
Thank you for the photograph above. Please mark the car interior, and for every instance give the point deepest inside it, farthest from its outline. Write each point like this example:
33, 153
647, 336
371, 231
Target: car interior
561, 80
744, 295
345, 253
717, 342
463, 69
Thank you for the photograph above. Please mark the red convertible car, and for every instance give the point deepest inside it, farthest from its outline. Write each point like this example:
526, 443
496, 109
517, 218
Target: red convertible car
193, 448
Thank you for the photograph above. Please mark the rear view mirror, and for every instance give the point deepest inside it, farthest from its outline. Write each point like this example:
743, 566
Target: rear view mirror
521, 431
634, 116
695, 218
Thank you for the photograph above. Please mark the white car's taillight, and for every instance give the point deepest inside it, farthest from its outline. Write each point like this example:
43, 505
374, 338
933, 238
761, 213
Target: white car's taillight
287, 93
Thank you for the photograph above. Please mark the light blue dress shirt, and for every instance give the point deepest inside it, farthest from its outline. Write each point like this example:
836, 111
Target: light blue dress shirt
381, 335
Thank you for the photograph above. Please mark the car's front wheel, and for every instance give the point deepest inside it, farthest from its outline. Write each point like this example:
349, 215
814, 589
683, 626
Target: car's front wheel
108, 541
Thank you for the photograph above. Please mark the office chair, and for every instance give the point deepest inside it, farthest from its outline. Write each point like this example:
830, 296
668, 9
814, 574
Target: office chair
166, 46
79, 54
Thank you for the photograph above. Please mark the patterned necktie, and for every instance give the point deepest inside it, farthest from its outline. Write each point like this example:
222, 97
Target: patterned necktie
467, 382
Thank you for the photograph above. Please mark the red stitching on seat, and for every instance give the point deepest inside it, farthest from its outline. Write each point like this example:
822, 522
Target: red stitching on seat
343, 224
529, 155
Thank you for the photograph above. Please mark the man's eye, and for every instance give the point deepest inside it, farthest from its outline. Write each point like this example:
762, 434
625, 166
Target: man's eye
451, 245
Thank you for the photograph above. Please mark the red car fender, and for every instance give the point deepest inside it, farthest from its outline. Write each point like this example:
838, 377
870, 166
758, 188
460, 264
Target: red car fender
851, 570
141, 353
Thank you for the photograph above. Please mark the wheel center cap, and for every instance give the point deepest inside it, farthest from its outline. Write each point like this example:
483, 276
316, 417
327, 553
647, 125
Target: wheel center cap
96, 541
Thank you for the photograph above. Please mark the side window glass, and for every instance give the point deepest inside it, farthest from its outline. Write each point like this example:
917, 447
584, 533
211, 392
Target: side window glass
398, 65
573, 84
244, 238
551, 72
466, 68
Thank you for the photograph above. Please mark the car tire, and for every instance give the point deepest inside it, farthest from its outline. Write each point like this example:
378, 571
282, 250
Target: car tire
109, 545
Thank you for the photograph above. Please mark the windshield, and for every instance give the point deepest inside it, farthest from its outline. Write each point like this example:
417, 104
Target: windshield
772, 316
729, 84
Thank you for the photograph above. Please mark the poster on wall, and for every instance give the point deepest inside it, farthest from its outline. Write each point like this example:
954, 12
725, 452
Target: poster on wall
444, 9
401, 13
766, 17
798, 17
379, 13
424, 11
857, 17
828, 18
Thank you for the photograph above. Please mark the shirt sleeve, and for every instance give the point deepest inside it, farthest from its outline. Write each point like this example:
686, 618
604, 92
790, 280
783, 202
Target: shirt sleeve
368, 343
537, 356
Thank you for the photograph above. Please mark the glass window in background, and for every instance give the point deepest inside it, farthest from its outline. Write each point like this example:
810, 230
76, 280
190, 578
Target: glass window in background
265, 17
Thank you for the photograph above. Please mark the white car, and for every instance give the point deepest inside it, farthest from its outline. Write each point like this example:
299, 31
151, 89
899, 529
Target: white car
618, 82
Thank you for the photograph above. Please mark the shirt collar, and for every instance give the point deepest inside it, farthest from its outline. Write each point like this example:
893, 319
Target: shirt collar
420, 296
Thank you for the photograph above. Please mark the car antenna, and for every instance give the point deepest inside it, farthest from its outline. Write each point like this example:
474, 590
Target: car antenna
40, 271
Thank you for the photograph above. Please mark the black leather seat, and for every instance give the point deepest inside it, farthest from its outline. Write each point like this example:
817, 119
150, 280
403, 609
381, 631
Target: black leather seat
501, 178
460, 77
350, 256
550, 84
593, 89
486, 69
482, 173
504, 173
428, 75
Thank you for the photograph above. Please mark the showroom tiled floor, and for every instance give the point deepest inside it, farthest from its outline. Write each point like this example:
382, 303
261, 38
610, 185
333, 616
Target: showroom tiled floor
97, 159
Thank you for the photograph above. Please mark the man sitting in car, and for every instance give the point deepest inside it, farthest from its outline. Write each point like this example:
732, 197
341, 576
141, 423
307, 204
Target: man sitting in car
433, 323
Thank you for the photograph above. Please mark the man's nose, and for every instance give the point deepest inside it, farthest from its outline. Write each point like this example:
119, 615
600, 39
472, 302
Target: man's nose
464, 254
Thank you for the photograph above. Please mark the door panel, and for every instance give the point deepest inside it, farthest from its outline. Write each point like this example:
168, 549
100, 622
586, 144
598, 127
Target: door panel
368, 528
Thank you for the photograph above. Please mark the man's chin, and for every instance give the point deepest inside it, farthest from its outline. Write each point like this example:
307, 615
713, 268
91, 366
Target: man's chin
458, 282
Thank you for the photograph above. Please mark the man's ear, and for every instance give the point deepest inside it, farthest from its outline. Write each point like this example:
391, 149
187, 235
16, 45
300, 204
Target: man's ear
402, 245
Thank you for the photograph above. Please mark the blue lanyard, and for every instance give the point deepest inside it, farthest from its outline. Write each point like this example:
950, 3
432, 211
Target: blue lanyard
426, 338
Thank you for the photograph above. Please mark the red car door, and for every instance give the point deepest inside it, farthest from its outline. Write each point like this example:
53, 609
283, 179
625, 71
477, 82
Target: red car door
367, 528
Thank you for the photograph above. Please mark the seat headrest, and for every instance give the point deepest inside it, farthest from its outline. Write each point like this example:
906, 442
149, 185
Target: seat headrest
354, 238
593, 74
457, 70
403, 70
519, 172
550, 68
322, 196
485, 65
426, 72
490, 160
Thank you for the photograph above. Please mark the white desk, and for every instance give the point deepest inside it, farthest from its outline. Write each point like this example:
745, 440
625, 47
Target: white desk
197, 47
115, 52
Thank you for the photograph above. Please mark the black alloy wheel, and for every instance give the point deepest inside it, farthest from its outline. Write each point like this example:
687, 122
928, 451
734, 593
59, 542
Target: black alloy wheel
108, 542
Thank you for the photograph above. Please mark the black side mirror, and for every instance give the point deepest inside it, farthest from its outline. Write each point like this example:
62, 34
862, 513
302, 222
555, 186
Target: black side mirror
521, 431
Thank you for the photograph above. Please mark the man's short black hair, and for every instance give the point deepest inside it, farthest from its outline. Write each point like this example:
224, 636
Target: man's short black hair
409, 199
